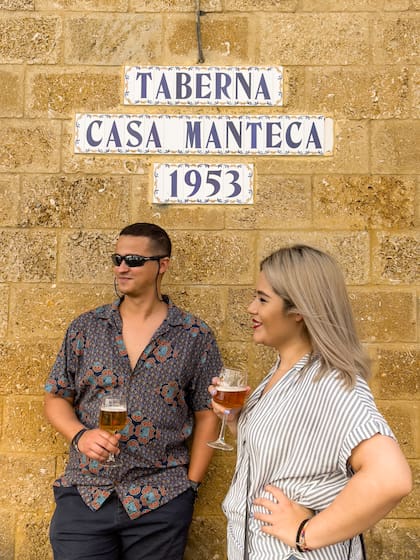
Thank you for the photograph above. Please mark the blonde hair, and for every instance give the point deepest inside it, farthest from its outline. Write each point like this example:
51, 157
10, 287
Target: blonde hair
311, 283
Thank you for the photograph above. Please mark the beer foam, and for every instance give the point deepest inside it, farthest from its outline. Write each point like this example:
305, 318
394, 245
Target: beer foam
115, 408
229, 389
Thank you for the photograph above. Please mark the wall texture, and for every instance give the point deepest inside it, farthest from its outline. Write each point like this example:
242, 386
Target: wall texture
356, 61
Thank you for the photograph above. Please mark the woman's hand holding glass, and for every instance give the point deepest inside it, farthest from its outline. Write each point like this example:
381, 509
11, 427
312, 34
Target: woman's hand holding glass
229, 392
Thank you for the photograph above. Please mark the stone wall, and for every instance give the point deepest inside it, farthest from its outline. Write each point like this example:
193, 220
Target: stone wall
353, 60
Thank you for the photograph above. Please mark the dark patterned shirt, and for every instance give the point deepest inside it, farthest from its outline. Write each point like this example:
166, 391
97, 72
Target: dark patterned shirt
168, 384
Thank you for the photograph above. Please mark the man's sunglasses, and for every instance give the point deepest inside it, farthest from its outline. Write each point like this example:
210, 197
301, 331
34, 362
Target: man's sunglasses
133, 261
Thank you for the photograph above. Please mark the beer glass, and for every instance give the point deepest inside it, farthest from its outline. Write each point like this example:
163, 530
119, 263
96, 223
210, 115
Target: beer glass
231, 393
113, 418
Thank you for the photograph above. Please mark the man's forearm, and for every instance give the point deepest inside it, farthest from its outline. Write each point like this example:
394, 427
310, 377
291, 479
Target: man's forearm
206, 427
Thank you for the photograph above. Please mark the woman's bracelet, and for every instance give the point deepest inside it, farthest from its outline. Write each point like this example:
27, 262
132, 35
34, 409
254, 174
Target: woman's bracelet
300, 536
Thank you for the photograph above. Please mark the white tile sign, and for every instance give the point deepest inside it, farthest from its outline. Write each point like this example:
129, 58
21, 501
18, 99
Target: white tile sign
198, 85
203, 134
203, 183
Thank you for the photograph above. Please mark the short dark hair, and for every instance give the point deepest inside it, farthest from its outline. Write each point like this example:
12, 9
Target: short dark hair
158, 236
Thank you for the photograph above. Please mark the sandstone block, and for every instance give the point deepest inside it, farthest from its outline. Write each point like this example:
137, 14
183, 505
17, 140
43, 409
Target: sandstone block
215, 485
17, 4
177, 6
293, 86
36, 436
364, 201
113, 39
321, 39
27, 256
207, 538
236, 353
208, 303
416, 94
263, 359
28, 480
350, 153
238, 322
396, 257
29, 39
261, 6
403, 418
9, 197
60, 201
63, 92
381, 93
350, 249
7, 540
396, 5
24, 366
11, 94
395, 38
393, 540
385, 316
85, 257
32, 542
4, 312
83, 5
222, 36
278, 200
397, 373
29, 146
341, 5
394, 146
210, 257
43, 312
409, 507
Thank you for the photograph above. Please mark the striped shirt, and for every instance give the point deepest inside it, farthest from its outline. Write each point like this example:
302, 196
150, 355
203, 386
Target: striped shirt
297, 436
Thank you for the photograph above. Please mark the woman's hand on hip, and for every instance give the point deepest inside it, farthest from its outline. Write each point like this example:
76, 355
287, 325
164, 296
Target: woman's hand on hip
283, 516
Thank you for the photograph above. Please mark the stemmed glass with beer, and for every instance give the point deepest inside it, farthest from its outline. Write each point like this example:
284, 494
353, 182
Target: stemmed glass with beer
231, 393
113, 418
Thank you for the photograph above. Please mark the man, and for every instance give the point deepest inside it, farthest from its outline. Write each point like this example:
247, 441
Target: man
162, 360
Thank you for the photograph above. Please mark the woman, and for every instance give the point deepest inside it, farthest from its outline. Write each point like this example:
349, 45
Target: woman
317, 464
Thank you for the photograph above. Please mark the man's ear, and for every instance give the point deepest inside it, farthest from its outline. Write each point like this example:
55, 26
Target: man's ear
163, 264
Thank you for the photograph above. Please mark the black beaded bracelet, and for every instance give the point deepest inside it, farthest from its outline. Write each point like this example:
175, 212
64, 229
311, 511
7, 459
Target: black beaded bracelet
75, 440
300, 537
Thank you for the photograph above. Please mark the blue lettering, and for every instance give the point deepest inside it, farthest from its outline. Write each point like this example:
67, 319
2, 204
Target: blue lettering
200, 85
114, 136
193, 139
262, 89
213, 137
253, 126
237, 134
143, 82
314, 138
154, 137
89, 136
183, 90
163, 88
246, 85
289, 141
223, 81
135, 133
270, 134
